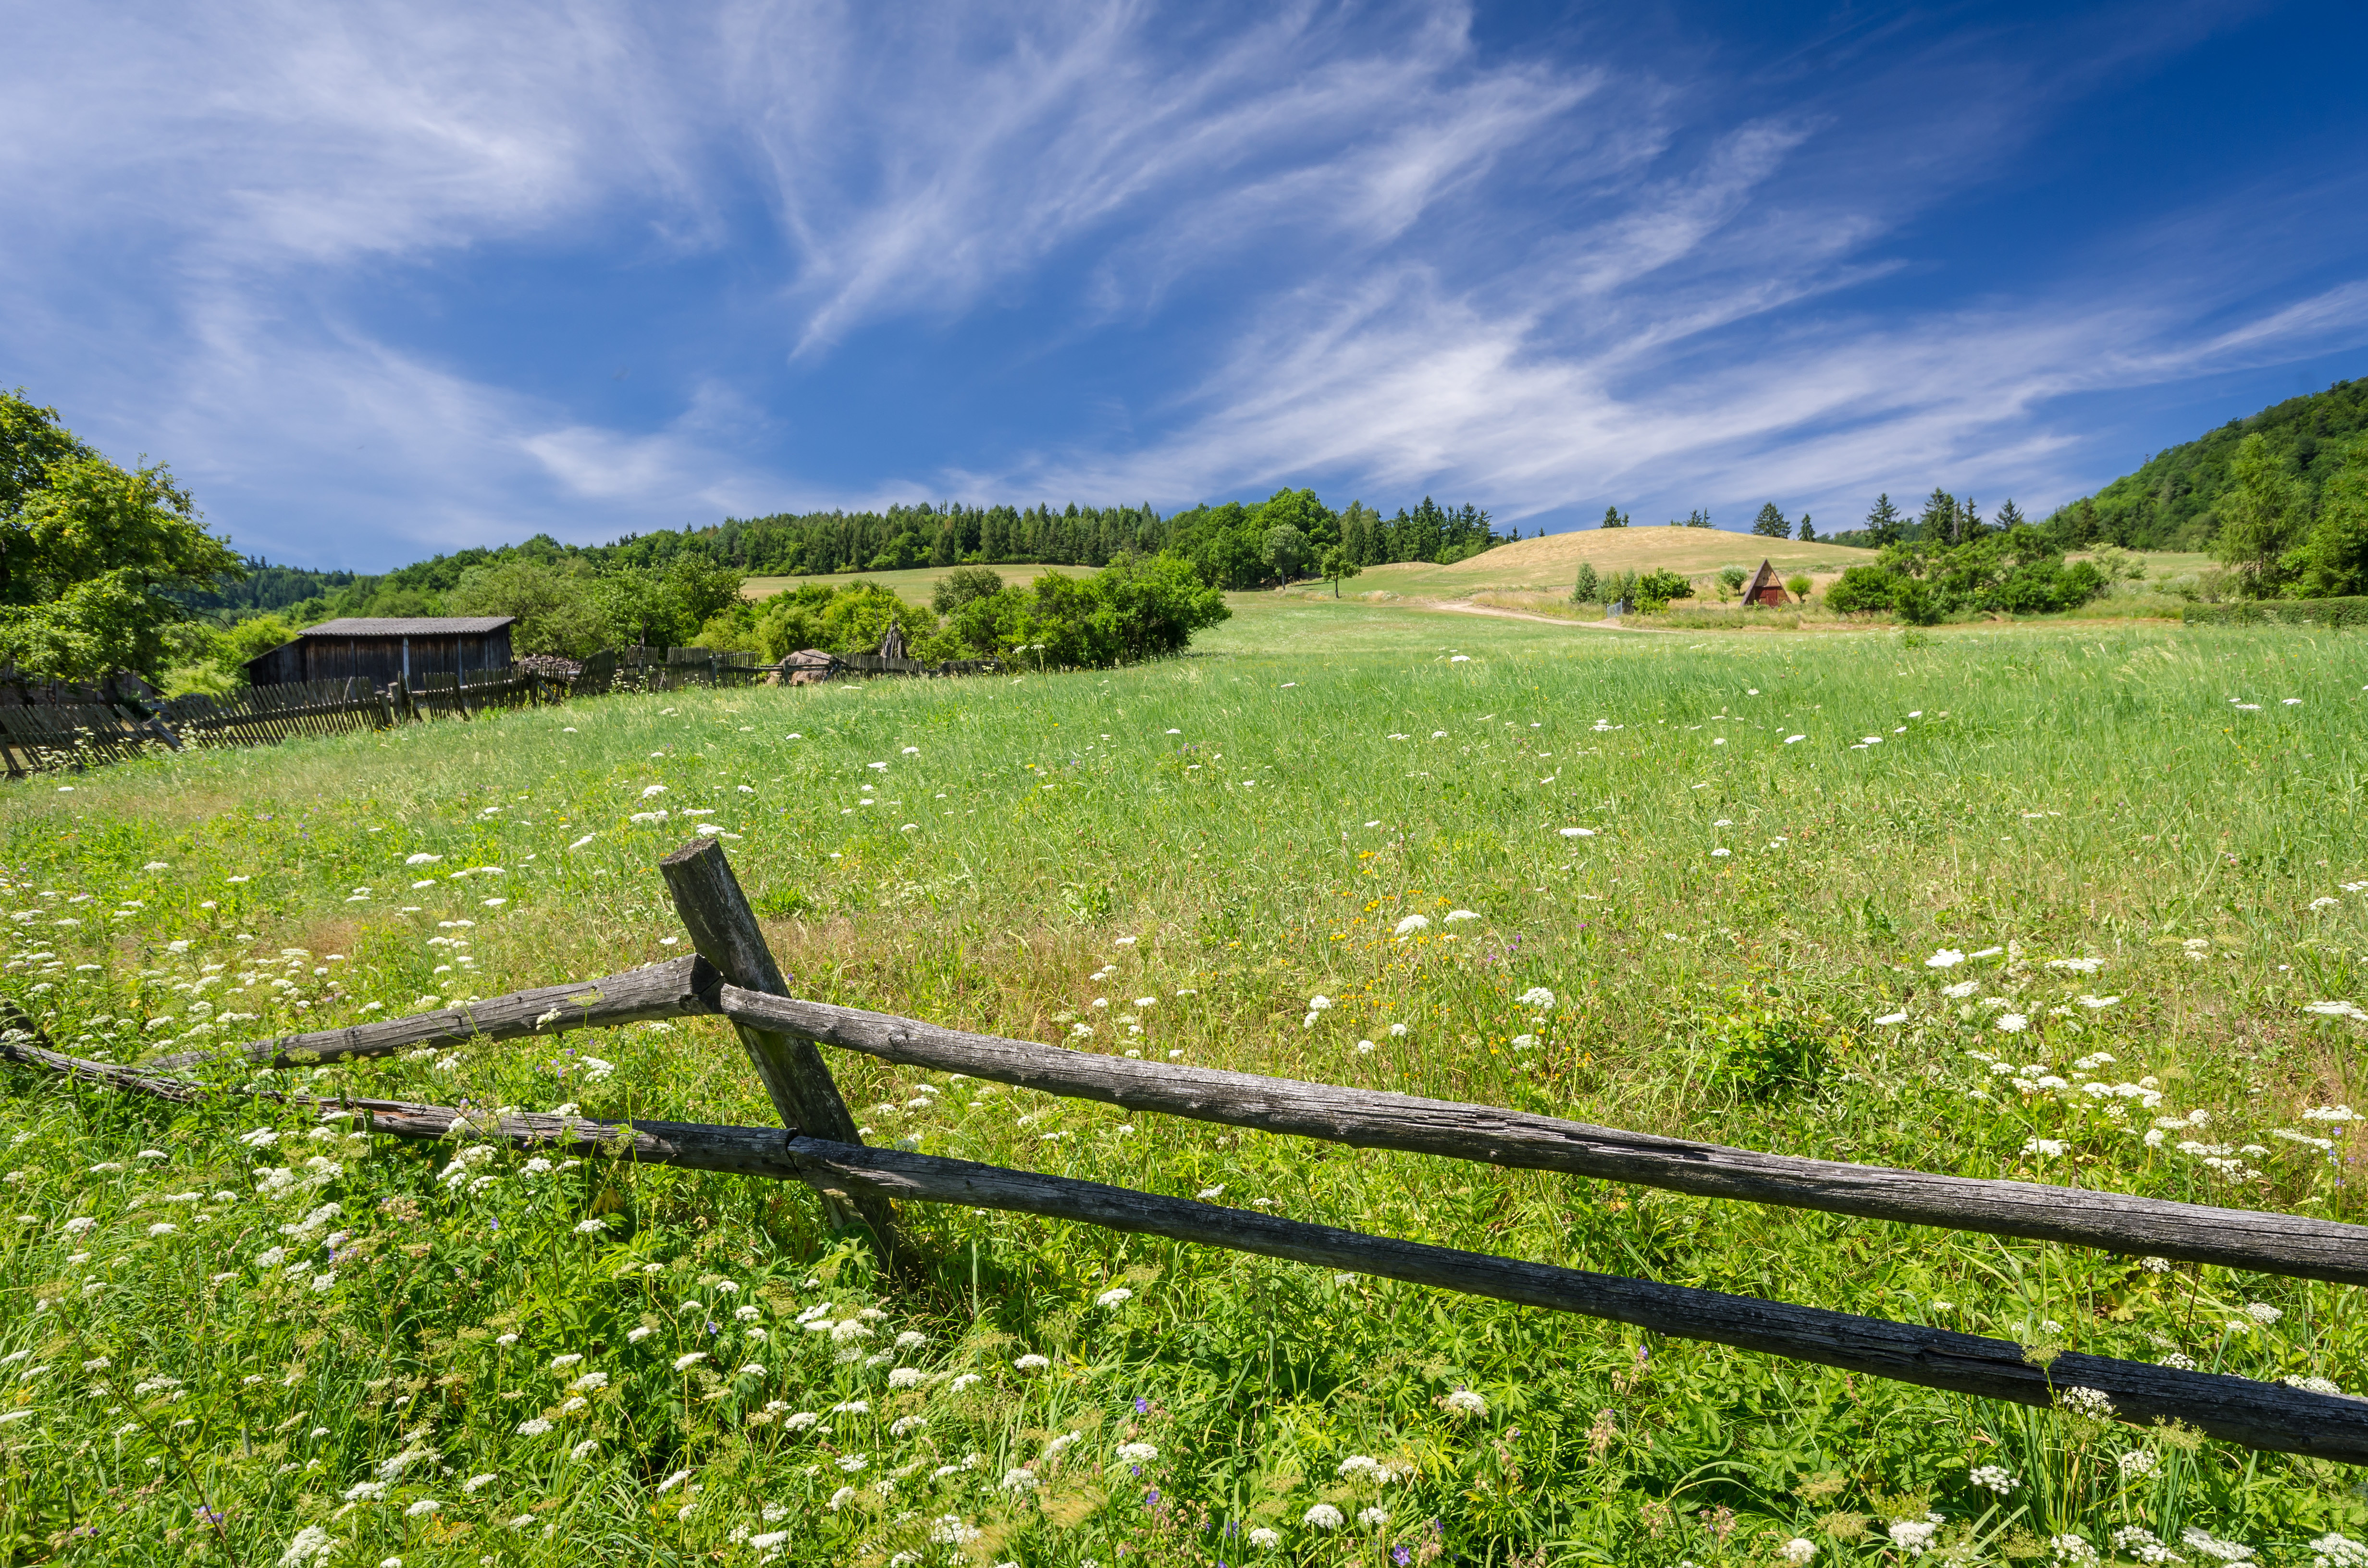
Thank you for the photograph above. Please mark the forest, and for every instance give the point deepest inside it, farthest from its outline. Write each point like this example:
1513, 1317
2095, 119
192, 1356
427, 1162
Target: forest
1233, 544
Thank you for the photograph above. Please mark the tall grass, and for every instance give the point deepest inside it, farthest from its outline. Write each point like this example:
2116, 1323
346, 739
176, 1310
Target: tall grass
1179, 859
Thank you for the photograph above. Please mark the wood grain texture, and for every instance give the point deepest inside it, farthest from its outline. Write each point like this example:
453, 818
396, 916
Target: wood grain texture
724, 930
668, 989
2236, 1410
2238, 1238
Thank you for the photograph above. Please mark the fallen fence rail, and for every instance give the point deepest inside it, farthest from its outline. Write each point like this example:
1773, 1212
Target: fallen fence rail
734, 974
2238, 1410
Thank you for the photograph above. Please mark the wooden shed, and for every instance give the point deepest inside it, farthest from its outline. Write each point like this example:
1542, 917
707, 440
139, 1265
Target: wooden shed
383, 651
1765, 589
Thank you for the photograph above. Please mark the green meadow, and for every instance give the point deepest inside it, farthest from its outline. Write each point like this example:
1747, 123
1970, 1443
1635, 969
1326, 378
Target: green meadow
1861, 896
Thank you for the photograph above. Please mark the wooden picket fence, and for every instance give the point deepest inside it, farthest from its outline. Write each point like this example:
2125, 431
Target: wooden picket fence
734, 975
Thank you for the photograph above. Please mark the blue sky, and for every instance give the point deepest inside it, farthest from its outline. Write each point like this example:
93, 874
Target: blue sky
383, 280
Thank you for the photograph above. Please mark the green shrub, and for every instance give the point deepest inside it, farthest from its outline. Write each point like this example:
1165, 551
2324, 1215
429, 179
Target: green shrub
1760, 1053
1656, 589
2348, 611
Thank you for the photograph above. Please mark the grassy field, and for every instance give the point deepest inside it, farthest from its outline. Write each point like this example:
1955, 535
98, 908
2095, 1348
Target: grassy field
1534, 575
236, 1335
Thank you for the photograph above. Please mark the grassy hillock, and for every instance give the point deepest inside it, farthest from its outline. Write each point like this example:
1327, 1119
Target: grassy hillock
237, 1334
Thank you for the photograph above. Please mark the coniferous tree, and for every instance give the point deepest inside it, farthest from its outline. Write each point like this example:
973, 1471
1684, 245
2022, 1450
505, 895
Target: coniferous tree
1939, 519
1771, 523
1808, 535
1612, 518
1883, 523
2010, 516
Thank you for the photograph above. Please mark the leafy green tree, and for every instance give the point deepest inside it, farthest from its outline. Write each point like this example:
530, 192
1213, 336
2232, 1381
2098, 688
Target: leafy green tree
1883, 523
1589, 588
91, 553
964, 584
1303, 510
1613, 517
2258, 512
554, 602
1771, 523
1284, 547
847, 618
1131, 609
1730, 580
1798, 585
1335, 566
2335, 555
665, 607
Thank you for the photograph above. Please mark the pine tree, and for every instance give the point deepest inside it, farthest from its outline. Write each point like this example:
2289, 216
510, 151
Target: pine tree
1589, 588
1612, 518
2010, 516
1939, 519
1883, 523
1771, 523
1808, 534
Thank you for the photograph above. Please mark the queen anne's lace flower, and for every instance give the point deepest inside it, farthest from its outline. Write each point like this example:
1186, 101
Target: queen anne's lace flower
1323, 1516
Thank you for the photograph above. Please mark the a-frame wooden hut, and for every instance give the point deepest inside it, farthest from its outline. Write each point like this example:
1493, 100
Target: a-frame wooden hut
1765, 589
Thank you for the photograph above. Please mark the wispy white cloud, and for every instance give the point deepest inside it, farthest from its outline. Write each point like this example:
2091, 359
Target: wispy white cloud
1359, 248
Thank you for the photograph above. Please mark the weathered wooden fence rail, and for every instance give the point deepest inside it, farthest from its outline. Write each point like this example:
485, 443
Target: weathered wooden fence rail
734, 976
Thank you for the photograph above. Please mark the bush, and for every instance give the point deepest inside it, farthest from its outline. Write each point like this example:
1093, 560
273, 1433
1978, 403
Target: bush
1587, 589
849, 617
1863, 588
1656, 589
2349, 611
1131, 609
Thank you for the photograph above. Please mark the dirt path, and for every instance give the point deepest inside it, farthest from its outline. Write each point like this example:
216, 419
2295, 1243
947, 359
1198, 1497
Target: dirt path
1464, 607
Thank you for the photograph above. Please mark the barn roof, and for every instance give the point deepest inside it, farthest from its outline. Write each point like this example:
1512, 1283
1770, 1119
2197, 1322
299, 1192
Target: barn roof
409, 626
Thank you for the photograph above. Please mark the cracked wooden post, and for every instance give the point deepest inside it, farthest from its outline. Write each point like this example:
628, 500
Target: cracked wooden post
725, 931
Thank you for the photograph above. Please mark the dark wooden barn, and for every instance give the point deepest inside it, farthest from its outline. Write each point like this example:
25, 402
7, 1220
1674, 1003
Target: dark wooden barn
1765, 589
383, 651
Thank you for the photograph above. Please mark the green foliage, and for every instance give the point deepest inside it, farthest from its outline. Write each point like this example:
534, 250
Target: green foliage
558, 605
1798, 584
964, 584
842, 618
1284, 547
2262, 509
1588, 588
1883, 523
2018, 572
1613, 517
1731, 578
1808, 534
1761, 1052
2175, 500
1656, 589
664, 607
2334, 557
1128, 611
1335, 566
1771, 523
2344, 611
89, 554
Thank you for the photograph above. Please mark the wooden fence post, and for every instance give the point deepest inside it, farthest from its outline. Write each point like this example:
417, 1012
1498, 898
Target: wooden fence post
725, 931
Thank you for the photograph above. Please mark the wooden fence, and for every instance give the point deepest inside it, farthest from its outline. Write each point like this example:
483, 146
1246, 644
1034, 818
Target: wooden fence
733, 975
